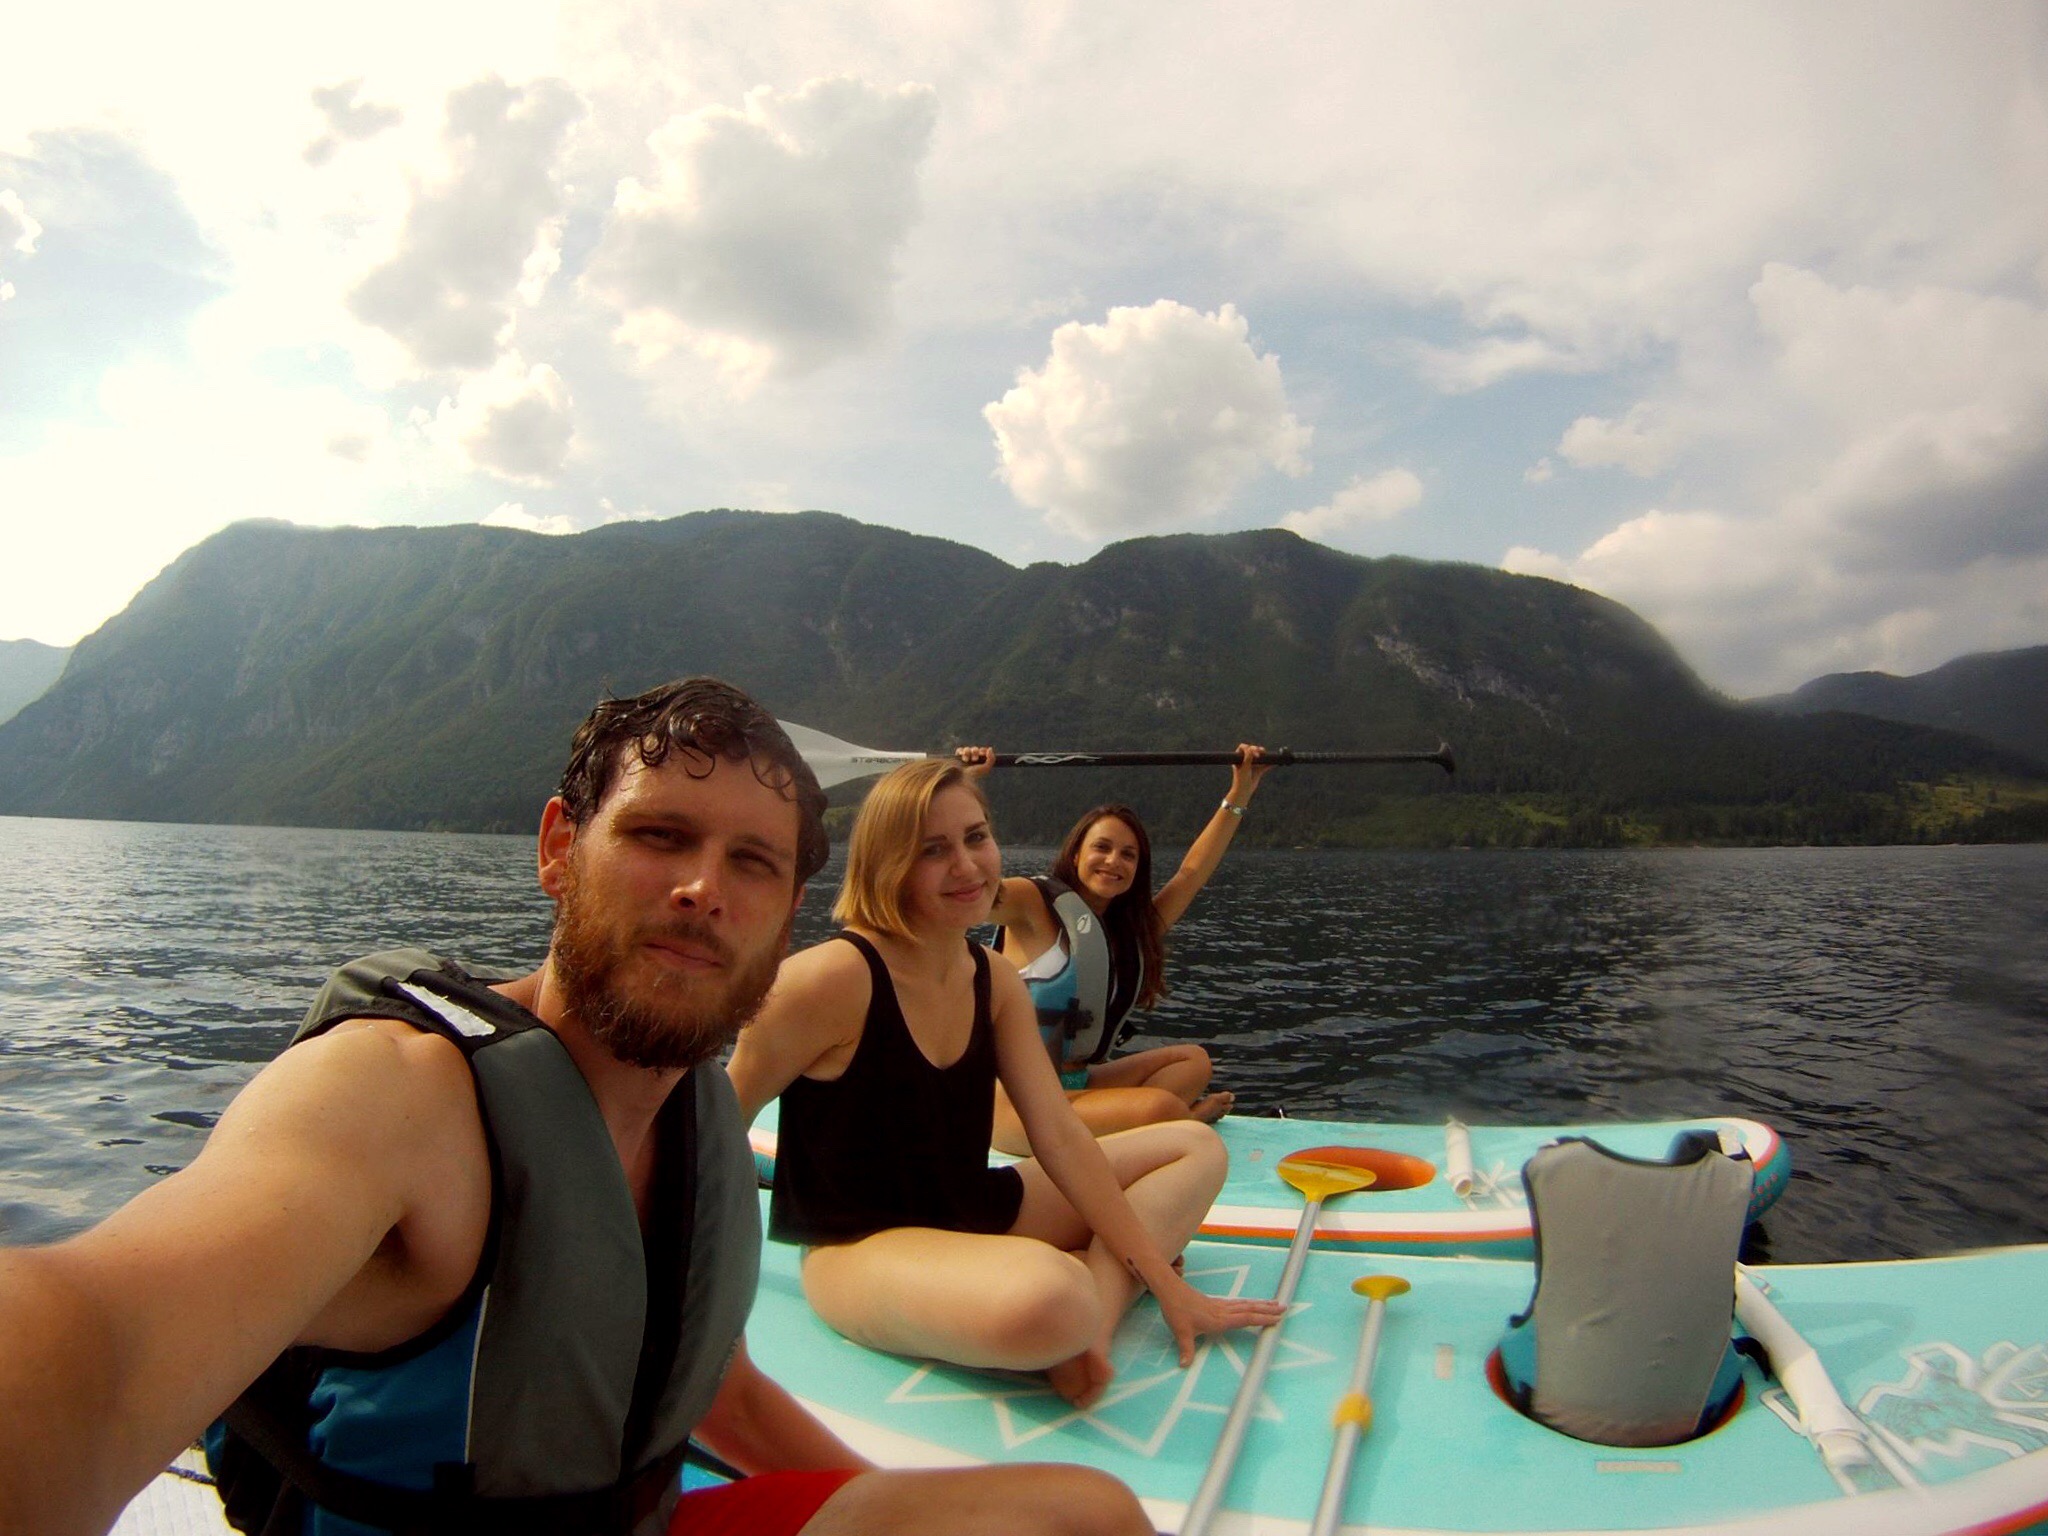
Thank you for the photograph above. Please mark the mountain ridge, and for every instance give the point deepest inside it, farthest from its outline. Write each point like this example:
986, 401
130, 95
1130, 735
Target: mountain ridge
27, 669
430, 677
2000, 696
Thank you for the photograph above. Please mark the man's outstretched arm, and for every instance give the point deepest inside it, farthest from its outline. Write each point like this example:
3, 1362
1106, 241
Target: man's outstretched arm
757, 1426
119, 1346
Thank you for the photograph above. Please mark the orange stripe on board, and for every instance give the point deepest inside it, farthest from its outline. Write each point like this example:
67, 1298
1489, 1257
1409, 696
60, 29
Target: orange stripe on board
2006, 1525
1377, 1235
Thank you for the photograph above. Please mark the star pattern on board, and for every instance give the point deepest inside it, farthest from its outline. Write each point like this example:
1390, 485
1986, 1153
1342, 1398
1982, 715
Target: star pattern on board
1150, 1394
1949, 1401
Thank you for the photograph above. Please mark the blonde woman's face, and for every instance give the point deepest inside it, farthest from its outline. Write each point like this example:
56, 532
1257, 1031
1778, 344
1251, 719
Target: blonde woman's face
952, 883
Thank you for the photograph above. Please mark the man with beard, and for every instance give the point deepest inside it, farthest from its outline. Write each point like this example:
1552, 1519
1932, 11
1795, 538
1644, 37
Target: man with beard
474, 1255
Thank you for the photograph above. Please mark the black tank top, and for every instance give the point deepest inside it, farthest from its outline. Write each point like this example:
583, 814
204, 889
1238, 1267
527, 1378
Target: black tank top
894, 1141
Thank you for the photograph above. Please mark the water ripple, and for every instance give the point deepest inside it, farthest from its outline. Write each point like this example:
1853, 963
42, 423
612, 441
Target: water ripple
1882, 1007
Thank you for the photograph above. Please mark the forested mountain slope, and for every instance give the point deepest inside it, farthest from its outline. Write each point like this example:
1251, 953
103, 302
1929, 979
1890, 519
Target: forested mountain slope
430, 677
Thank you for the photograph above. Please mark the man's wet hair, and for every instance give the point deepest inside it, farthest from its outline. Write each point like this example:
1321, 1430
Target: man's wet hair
703, 720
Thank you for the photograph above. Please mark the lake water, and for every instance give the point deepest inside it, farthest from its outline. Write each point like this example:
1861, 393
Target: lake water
1885, 1009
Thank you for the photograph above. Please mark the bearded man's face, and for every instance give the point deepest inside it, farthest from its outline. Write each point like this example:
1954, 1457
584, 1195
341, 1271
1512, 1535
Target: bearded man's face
673, 910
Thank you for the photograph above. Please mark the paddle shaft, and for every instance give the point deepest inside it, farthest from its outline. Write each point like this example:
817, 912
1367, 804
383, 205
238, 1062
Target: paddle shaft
1223, 1460
1337, 1480
1273, 758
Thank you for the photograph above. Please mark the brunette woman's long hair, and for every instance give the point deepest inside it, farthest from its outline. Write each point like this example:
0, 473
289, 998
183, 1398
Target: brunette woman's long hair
1131, 919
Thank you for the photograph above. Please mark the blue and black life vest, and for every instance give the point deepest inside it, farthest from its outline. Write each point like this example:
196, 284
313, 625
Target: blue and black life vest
558, 1393
1084, 1007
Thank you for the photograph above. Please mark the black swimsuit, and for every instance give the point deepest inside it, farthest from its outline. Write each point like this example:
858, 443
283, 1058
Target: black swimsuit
894, 1141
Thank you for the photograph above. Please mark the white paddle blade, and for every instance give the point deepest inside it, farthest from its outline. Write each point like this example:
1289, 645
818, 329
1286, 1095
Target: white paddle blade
841, 762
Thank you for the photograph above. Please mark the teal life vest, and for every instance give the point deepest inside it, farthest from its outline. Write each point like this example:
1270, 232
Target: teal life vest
1083, 1008
557, 1395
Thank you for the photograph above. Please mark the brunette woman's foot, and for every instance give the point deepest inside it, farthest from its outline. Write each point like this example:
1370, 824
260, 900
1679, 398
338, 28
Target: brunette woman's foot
1082, 1379
1211, 1107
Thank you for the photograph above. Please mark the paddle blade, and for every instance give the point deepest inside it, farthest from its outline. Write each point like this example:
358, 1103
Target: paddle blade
1380, 1287
1320, 1181
841, 762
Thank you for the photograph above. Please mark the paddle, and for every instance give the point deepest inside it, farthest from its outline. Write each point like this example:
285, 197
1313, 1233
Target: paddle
1317, 1182
1853, 1456
1354, 1412
840, 762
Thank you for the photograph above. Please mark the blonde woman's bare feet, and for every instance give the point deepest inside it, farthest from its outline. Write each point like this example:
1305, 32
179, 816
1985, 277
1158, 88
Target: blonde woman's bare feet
1082, 1379
1211, 1107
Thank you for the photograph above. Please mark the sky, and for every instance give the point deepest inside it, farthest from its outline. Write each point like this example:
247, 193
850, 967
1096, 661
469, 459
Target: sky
1737, 314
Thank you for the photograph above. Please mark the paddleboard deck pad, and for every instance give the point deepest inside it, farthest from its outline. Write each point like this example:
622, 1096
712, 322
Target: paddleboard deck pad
1945, 1360
1413, 1207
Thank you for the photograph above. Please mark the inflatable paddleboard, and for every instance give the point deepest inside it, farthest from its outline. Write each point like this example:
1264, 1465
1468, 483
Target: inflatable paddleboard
1439, 1189
181, 1502
1943, 1361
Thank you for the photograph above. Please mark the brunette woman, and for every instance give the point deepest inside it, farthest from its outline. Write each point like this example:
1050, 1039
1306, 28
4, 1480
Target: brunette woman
1088, 977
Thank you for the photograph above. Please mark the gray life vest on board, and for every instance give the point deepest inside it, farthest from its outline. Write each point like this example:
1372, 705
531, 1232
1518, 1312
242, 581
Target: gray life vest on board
1626, 1340
559, 1393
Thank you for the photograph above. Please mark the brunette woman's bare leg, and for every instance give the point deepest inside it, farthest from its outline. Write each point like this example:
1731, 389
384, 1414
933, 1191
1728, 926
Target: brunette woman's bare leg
1145, 1088
1182, 1070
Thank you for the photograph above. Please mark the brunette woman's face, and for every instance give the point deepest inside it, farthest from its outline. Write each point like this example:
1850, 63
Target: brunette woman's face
953, 882
1107, 862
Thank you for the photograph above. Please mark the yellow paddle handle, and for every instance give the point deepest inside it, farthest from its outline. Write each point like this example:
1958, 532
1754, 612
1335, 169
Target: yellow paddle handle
1354, 1408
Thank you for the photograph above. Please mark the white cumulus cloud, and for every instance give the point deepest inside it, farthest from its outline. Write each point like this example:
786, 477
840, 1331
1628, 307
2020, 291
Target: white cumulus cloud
18, 233
448, 291
1491, 359
515, 422
350, 120
512, 514
1362, 503
1905, 516
1643, 441
1151, 420
767, 238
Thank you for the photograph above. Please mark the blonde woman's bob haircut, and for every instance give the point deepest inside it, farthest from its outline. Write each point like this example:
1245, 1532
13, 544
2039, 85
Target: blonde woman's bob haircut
888, 835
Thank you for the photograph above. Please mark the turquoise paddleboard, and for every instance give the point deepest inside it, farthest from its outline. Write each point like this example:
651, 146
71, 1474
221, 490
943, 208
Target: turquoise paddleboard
1945, 1362
1431, 1195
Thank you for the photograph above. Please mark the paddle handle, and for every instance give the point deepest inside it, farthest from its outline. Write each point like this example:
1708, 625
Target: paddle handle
1354, 1418
1223, 1460
1279, 757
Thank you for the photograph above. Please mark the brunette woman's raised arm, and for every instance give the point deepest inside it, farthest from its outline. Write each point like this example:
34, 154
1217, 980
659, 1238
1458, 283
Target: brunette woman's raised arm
1207, 850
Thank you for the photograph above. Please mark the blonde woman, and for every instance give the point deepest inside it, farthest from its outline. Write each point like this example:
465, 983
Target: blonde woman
885, 1045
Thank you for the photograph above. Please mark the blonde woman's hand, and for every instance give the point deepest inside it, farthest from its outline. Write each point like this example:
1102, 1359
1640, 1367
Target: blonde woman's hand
1191, 1313
978, 761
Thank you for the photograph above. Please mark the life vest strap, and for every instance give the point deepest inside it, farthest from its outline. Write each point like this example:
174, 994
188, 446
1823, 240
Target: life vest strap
451, 1509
